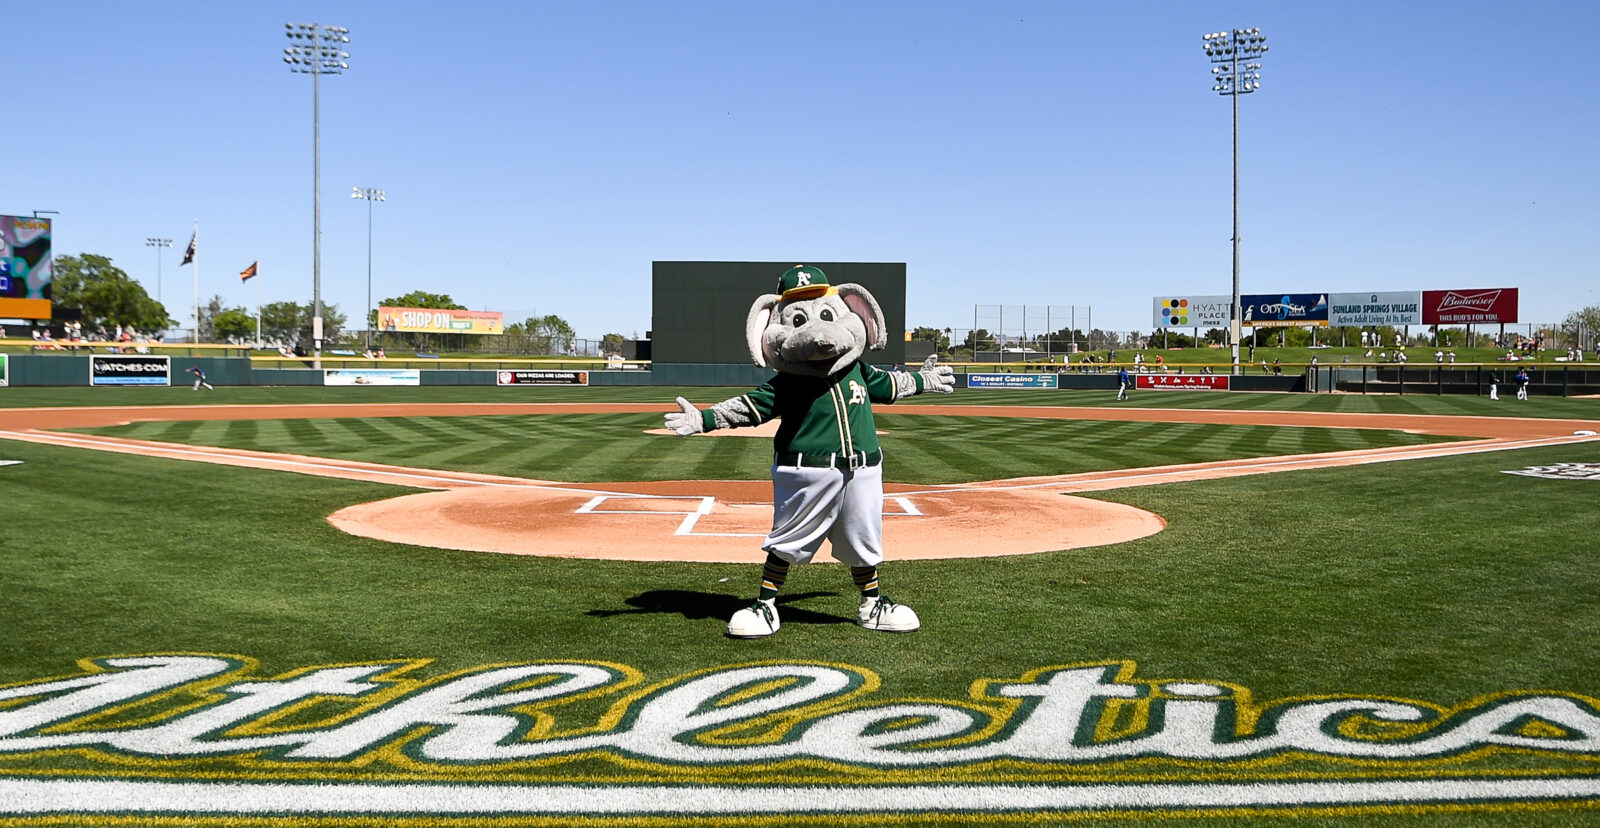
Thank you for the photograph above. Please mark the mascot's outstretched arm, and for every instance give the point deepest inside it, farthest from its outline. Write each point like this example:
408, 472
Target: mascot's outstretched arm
936, 379
732, 413
687, 421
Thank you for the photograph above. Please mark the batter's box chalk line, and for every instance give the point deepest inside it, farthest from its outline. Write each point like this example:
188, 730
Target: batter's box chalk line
704, 504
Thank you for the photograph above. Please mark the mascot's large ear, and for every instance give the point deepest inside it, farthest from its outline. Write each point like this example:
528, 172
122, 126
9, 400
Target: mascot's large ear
755, 323
861, 303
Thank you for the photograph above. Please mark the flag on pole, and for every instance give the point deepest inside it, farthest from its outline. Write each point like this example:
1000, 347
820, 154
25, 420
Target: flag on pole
249, 272
188, 254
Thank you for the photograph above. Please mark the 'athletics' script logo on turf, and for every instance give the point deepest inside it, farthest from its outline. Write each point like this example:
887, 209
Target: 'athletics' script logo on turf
1561, 471
168, 711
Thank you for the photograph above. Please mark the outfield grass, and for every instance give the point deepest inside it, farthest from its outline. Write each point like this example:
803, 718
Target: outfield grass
1438, 580
925, 449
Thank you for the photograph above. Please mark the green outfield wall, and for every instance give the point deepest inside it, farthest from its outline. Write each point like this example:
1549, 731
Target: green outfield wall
66, 370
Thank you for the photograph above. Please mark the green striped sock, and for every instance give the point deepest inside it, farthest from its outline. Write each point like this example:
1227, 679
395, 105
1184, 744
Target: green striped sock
773, 574
866, 578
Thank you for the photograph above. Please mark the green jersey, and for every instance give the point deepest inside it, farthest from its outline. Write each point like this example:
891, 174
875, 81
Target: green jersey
822, 415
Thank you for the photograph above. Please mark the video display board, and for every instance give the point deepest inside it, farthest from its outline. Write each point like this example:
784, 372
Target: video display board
699, 309
24, 267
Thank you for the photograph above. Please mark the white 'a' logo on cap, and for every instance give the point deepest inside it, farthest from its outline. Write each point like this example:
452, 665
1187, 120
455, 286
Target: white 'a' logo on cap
804, 277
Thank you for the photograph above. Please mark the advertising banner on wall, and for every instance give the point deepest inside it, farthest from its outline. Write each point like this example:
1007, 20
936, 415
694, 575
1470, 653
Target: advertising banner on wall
541, 378
5, 375
24, 267
1469, 307
1011, 380
1277, 310
428, 320
1394, 308
130, 369
1182, 382
372, 376
1191, 311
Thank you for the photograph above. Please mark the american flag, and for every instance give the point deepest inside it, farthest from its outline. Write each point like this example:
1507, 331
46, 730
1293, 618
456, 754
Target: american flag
188, 254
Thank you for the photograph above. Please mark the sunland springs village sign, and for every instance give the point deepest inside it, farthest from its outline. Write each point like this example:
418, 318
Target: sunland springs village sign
201, 734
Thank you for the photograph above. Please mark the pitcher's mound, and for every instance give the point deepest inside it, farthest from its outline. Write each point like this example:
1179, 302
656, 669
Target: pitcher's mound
724, 521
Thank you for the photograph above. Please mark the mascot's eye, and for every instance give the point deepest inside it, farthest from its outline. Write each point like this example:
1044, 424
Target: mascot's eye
826, 315
798, 319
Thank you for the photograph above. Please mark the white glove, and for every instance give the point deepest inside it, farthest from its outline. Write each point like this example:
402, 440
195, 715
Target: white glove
936, 378
688, 421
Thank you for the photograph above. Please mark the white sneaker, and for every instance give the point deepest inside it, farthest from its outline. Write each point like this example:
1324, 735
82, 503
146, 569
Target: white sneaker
884, 615
758, 620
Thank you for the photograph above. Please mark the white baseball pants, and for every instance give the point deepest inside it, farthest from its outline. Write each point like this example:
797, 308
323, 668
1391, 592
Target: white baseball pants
842, 507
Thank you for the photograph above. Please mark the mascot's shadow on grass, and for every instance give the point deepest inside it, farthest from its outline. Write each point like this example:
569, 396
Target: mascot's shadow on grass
827, 466
698, 606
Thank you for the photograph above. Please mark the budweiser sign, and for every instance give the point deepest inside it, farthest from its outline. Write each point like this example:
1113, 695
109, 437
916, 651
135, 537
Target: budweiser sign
1481, 302
1458, 307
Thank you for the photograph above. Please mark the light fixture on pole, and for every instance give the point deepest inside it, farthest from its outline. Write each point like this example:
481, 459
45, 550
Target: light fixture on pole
369, 195
158, 244
1226, 49
320, 54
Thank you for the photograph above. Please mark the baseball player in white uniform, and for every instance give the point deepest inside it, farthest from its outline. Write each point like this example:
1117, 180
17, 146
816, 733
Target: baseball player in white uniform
827, 468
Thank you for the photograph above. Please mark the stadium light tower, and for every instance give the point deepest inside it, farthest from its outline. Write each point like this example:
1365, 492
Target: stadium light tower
158, 244
369, 195
1226, 49
318, 51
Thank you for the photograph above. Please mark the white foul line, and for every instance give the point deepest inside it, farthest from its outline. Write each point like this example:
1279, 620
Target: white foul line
37, 797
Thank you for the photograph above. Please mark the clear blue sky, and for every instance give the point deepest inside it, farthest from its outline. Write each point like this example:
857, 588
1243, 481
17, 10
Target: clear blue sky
538, 156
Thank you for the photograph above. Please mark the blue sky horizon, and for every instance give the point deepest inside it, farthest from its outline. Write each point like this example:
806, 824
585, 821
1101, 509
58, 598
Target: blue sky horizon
537, 157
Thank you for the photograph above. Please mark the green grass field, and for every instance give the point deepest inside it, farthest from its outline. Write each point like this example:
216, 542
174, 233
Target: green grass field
1441, 584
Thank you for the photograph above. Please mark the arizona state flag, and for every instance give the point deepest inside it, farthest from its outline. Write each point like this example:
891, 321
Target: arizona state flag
249, 271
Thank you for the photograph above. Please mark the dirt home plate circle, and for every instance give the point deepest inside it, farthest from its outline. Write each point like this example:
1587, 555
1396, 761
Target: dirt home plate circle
724, 521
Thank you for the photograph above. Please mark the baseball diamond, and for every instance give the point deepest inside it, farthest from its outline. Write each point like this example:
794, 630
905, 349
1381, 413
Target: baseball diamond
591, 685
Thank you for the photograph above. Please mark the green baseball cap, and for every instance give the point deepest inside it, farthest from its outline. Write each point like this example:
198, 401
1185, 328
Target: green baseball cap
803, 282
